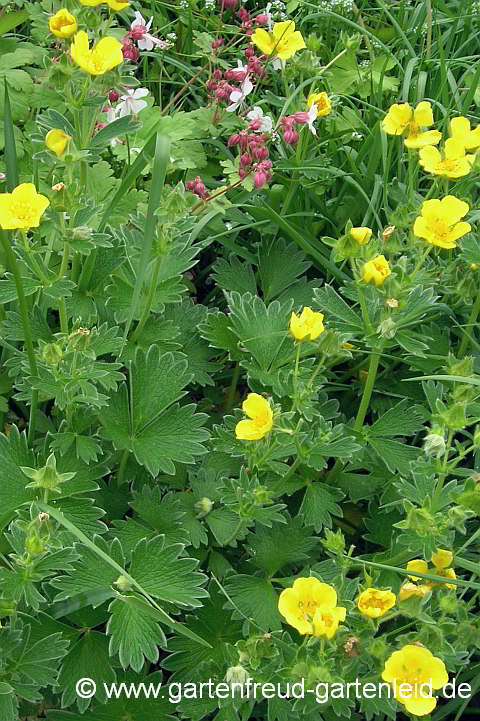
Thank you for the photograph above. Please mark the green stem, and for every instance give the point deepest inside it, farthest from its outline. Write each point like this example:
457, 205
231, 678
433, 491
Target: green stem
233, 388
75, 266
123, 465
471, 322
367, 391
362, 411
150, 297
443, 474
421, 261
62, 304
22, 301
233, 535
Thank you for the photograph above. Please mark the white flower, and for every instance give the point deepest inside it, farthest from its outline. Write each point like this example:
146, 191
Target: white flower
146, 41
257, 114
278, 64
312, 116
131, 103
238, 96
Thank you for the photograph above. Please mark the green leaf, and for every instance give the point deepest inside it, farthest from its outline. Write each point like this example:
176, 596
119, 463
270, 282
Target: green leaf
280, 266
233, 274
10, 149
255, 598
121, 126
14, 453
191, 662
262, 330
165, 574
275, 547
146, 423
216, 330
331, 304
134, 635
88, 658
319, 504
396, 455
404, 419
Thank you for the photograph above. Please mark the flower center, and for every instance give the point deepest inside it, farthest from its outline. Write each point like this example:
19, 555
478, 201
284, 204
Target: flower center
62, 22
374, 603
22, 211
414, 129
261, 420
441, 229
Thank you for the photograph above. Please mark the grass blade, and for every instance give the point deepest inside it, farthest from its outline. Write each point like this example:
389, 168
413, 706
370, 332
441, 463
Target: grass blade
10, 147
160, 162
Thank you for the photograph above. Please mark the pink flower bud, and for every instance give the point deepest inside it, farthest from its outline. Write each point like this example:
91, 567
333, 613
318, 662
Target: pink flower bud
218, 74
301, 117
255, 124
233, 140
260, 152
237, 75
262, 19
229, 4
138, 32
243, 141
113, 96
249, 52
260, 178
290, 135
243, 14
211, 86
242, 173
245, 159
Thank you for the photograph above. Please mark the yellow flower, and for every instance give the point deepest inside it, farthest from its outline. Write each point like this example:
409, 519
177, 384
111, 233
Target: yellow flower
309, 325
453, 163
361, 234
113, 4
310, 606
417, 565
415, 666
104, 56
460, 128
442, 558
411, 589
439, 222
22, 208
327, 620
258, 409
375, 602
283, 42
322, 101
62, 24
377, 270
57, 140
401, 119
445, 573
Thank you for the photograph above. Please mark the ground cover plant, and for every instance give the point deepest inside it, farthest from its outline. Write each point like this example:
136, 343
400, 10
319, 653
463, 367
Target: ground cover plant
239, 294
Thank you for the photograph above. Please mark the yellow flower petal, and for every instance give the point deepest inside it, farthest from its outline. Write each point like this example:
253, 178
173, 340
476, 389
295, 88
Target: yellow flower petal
284, 30
247, 431
397, 118
255, 405
421, 140
57, 140
417, 565
451, 209
423, 114
460, 126
263, 41
361, 234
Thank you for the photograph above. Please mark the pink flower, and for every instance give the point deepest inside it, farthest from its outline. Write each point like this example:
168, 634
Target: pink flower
139, 32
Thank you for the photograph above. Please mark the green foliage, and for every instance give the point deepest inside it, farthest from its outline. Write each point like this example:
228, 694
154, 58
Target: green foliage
212, 388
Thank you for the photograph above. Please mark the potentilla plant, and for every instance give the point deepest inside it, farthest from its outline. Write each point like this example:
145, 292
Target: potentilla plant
240, 293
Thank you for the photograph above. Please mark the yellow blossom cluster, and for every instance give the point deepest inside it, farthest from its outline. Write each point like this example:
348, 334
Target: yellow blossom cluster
442, 560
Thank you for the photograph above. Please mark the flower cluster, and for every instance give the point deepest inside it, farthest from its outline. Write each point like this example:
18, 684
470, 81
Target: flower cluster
442, 561
254, 149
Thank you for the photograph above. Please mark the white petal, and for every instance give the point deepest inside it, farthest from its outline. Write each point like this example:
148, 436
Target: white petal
140, 93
